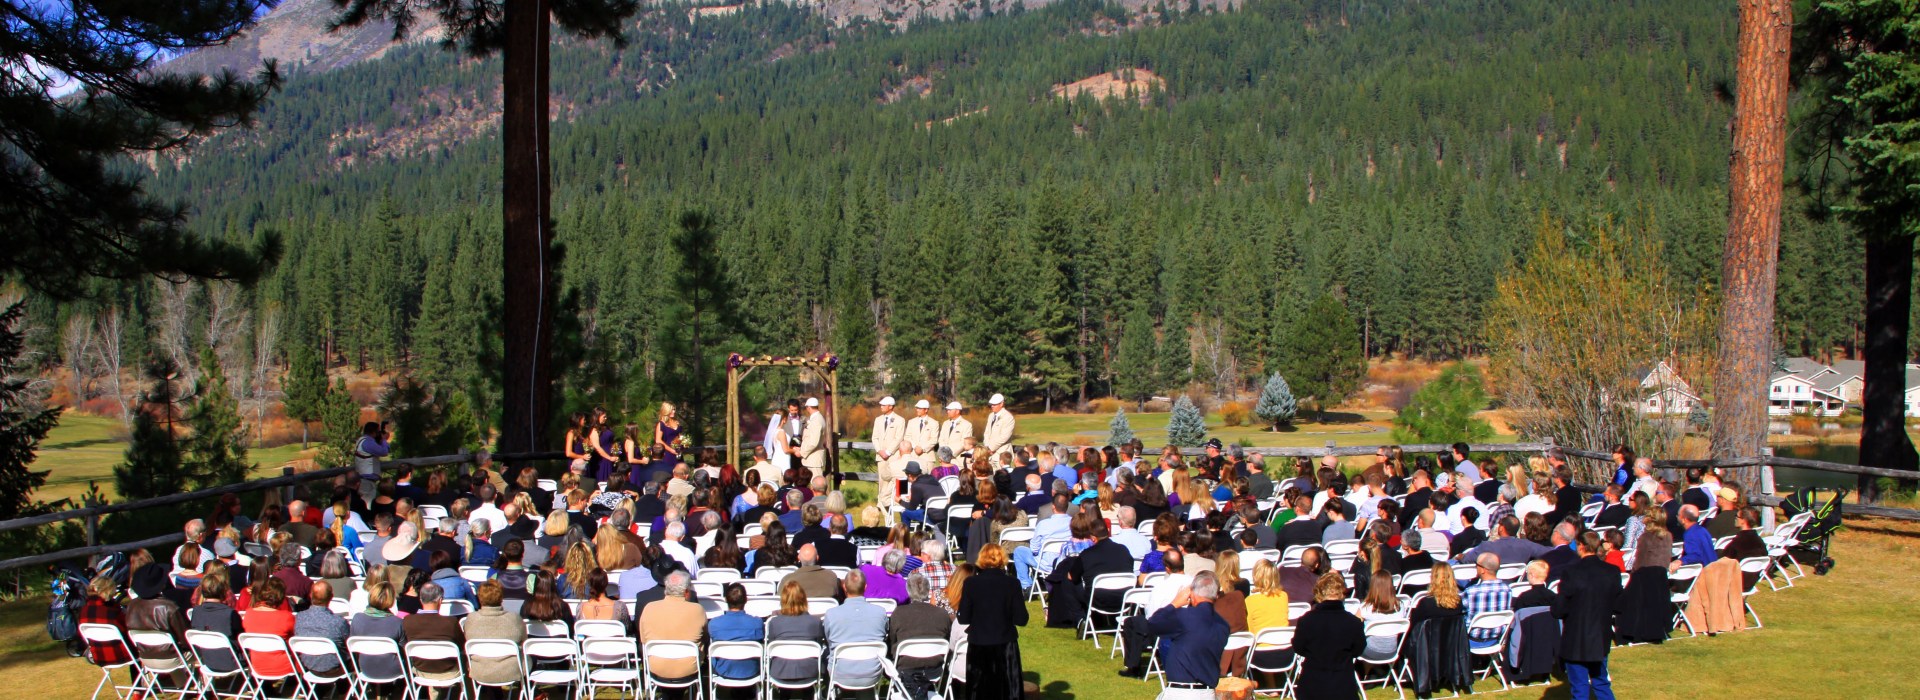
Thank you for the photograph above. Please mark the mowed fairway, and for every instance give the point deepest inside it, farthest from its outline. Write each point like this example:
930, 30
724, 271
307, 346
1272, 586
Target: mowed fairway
84, 448
1345, 426
1835, 636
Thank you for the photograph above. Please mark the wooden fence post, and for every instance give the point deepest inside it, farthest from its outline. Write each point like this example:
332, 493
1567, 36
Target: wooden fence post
93, 520
1330, 447
286, 493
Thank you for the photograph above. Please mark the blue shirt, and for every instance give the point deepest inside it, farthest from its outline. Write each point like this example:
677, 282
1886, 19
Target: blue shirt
858, 621
1066, 471
633, 581
1697, 546
1192, 639
1622, 475
1482, 597
736, 626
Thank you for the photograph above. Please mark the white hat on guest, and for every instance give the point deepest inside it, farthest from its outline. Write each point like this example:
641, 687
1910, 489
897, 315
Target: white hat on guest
996, 400
923, 404
886, 401
954, 406
813, 402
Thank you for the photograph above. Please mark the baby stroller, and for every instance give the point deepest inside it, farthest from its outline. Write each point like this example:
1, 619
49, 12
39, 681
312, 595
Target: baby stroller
69, 587
1816, 539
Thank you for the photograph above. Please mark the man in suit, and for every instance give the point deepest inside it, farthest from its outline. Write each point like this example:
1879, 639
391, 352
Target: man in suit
429, 625
811, 531
918, 620
673, 618
836, 549
1073, 579
998, 438
920, 489
816, 581
1301, 529
1615, 513
1588, 589
852, 622
1563, 553
812, 451
1192, 637
889, 436
922, 435
955, 430
1419, 497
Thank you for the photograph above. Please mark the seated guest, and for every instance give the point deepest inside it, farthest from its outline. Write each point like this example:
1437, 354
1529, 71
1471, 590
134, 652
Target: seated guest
1300, 580
1380, 604
1562, 553
1616, 512
1193, 637
918, 619
794, 623
1443, 597
673, 618
269, 615
1727, 504
1135, 637
854, 621
1327, 639
1487, 594
1537, 593
599, 605
319, 621
813, 579
214, 615
1697, 547
1746, 542
1467, 536
885, 581
1412, 556
735, 625
378, 620
452, 584
1301, 529
491, 621
545, 603
1034, 497
835, 549
429, 625
1337, 525
1506, 544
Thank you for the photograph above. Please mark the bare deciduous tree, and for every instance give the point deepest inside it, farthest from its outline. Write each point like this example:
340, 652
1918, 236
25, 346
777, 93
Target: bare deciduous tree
266, 338
173, 303
228, 320
76, 350
1213, 356
109, 357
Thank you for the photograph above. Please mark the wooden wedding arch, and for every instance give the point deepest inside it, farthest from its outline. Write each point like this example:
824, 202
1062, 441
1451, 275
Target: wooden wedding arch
827, 366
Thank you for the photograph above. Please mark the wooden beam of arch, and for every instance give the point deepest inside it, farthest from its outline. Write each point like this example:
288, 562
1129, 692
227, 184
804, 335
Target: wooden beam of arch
827, 365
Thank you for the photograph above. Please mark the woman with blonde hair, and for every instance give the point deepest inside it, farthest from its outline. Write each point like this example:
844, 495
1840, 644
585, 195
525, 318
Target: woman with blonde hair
1443, 597
993, 608
666, 432
1109, 509
612, 550
1231, 605
572, 579
1267, 609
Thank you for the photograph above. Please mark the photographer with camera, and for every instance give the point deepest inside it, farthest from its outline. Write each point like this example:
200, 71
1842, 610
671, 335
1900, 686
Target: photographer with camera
373, 445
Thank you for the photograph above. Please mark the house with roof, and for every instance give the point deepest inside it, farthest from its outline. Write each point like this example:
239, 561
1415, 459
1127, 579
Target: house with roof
1802, 385
1664, 392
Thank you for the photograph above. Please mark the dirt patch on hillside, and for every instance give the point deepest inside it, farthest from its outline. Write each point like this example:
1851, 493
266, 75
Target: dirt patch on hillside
1138, 82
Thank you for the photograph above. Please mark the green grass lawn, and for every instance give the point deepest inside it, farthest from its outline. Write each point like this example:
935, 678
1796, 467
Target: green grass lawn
1344, 427
84, 448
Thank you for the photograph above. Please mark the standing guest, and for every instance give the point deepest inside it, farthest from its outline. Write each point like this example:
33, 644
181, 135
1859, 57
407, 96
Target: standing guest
319, 621
1327, 638
735, 625
1589, 589
796, 625
378, 620
852, 622
918, 619
993, 607
491, 621
673, 618
430, 625
1193, 640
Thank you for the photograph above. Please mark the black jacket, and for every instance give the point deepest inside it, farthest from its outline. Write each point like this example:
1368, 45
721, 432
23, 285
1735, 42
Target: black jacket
1416, 501
837, 552
1436, 649
1327, 638
1301, 530
1644, 611
1613, 516
1589, 589
993, 608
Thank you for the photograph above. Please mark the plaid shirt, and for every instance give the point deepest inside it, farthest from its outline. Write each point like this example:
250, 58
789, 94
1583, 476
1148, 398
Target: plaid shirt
937, 573
1486, 596
101, 612
1497, 511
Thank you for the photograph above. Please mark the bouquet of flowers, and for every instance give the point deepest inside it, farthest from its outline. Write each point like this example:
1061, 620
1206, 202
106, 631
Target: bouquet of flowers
681, 443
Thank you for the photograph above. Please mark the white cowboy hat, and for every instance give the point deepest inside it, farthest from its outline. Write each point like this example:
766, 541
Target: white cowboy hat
813, 403
996, 400
923, 404
886, 401
954, 406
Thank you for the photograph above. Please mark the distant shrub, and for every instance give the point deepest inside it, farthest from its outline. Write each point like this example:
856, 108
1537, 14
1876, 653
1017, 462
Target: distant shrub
1235, 413
1107, 406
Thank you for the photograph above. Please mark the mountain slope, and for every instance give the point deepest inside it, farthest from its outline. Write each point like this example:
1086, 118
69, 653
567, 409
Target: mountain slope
295, 34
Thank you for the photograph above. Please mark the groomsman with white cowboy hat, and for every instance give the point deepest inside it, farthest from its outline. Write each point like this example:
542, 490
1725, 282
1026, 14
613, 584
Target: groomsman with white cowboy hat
889, 452
955, 430
998, 438
813, 440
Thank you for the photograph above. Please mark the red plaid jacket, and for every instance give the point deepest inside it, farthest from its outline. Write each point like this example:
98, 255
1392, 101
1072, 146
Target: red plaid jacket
101, 612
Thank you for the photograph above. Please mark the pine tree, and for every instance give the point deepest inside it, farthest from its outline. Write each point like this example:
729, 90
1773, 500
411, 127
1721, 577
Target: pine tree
153, 465
701, 322
306, 389
1119, 430
21, 429
1698, 419
216, 453
1186, 427
1133, 376
339, 426
1176, 355
1444, 409
1322, 354
1277, 406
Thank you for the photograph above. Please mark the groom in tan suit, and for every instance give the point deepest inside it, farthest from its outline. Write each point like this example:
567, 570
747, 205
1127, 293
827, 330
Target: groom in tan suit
889, 455
813, 440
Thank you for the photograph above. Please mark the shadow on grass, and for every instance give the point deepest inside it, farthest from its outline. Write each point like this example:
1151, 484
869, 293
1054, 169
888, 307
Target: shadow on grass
77, 444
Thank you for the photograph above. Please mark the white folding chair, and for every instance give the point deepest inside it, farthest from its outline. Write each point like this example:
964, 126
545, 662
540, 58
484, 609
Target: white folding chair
548, 628
671, 650
717, 575
1421, 578
418, 651
1104, 582
1295, 610
456, 607
820, 606
756, 586
609, 662
1465, 573
709, 589
548, 485
1273, 639
1015, 537
475, 574
930, 649
1757, 566
256, 645
1501, 620
216, 661
496, 650
94, 633
866, 552
1044, 560
949, 483
173, 664
886, 604
772, 573
854, 652
366, 675
1240, 641
762, 606
432, 511
745, 652
591, 629
1397, 672
1510, 572
1134, 601
309, 650
1342, 547
794, 651
549, 662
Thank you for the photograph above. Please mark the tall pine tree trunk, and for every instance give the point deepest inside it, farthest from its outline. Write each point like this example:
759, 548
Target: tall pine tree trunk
527, 285
1749, 266
1883, 432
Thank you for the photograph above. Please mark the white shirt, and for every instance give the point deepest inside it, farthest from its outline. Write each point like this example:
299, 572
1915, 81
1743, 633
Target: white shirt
1137, 544
1452, 518
1165, 590
1645, 485
1531, 503
490, 513
680, 553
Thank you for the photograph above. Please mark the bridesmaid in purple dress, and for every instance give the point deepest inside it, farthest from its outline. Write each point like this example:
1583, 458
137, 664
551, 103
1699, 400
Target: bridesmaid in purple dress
601, 442
665, 433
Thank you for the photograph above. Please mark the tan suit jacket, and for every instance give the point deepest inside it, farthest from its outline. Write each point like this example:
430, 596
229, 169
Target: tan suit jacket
922, 436
999, 435
813, 442
889, 431
672, 620
954, 434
